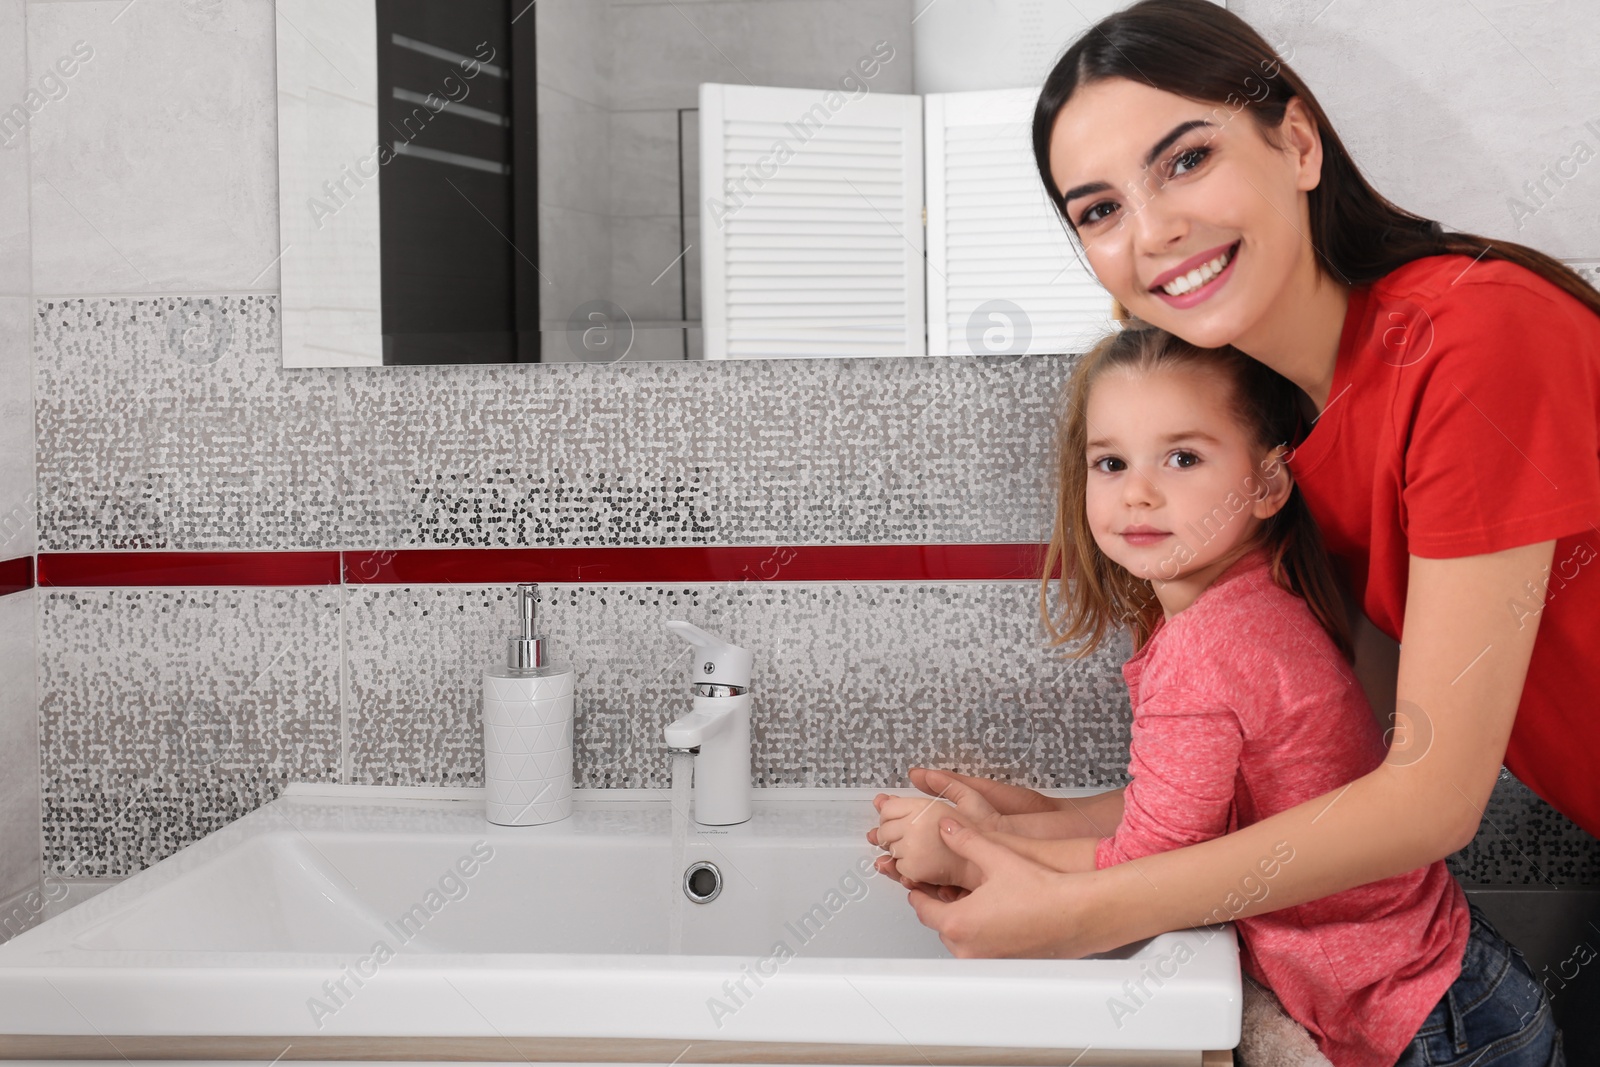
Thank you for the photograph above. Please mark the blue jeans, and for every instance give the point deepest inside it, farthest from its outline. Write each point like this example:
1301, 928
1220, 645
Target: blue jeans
1496, 1014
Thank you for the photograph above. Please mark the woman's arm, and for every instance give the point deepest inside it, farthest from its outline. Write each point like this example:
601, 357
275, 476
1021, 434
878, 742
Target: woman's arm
1462, 667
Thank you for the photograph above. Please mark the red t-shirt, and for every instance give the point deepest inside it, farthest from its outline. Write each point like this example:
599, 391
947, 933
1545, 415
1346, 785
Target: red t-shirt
1464, 419
1242, 708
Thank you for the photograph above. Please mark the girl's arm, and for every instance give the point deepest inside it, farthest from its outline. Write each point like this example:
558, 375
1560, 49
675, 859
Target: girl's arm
1095, 816
908, 826
1184, 760
1462, 668
1068, 855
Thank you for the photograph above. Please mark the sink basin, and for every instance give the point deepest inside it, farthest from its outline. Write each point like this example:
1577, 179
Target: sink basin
335, 919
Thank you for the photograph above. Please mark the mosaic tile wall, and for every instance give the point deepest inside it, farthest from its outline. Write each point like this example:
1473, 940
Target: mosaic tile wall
164, 715
169, 423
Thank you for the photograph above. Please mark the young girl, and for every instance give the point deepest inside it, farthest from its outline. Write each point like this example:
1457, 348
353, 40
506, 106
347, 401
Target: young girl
1180, 520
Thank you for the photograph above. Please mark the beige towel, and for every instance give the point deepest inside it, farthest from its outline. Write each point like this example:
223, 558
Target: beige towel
1269, 1038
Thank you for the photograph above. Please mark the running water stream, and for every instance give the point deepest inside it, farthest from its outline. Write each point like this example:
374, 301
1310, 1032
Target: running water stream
677, 903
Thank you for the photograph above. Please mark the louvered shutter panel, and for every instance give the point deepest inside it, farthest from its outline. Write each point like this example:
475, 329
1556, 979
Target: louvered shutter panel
994, 237
811, 223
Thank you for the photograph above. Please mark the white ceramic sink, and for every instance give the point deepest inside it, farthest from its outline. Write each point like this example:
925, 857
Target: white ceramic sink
343, 913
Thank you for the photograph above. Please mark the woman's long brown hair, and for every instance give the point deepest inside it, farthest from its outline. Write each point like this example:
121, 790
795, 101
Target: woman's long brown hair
1102, 594
1196, 49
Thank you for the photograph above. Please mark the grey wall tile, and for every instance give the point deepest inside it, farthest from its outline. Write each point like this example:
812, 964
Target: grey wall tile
18, 501
573, 53
575, 248
157, 171
1490, 93
662, 52
645, 162
165, 714
647, 265
15, 115
19, 747
574, 162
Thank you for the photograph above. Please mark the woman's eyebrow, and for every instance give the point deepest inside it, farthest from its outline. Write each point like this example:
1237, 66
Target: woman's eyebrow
1150, 157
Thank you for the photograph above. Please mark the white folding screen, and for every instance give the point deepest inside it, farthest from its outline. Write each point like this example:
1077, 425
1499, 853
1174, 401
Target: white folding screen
811, 234
812, 230
1003, 277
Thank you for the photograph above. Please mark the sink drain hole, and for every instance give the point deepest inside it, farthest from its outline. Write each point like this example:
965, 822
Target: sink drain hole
702, 882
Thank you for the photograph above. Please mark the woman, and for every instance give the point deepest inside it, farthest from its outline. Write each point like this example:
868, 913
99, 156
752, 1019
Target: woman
1452, 393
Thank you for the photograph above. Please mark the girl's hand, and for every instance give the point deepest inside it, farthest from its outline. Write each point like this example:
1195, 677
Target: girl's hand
946, 893
980, 802
886, 866
909, 832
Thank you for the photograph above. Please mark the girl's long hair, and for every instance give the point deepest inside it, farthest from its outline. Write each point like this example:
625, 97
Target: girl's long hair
1101, 594
1196, 49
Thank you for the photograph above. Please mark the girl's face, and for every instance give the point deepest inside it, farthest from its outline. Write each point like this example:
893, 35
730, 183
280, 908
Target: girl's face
1166, 455
1187, 215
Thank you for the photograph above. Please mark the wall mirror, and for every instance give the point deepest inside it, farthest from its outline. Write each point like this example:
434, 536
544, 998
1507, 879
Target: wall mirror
509, 181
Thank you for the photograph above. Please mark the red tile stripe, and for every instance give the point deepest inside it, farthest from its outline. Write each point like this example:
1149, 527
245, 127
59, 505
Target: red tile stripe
735, 563
16, 575
783, 563
188, 568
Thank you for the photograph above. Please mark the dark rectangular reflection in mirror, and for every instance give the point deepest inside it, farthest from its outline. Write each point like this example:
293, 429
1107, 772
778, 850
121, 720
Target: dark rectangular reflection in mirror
459, 220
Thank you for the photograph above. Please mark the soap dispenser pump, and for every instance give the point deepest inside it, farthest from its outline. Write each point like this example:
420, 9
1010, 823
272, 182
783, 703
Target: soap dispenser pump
527, 728
717, 728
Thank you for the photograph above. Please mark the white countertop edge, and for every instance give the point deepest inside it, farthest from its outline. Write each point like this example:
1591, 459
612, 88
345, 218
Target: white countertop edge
765, 794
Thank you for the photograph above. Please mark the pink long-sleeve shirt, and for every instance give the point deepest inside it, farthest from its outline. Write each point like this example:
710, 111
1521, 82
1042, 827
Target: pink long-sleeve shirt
1243, 707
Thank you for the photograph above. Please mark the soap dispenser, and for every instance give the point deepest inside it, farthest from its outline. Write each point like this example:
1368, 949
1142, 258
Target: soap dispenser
717, 728
527, 728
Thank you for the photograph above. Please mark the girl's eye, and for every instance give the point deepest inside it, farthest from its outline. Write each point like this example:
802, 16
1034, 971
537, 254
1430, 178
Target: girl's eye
1189, 159
1096, 465
1190, 455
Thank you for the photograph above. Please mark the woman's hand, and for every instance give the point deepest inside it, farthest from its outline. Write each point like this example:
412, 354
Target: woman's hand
1007, 913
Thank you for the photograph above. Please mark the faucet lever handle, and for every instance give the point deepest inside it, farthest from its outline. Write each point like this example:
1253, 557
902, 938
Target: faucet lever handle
693, 634
717, 662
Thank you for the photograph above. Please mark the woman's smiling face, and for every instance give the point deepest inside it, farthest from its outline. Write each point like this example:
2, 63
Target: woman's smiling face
1187, 214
